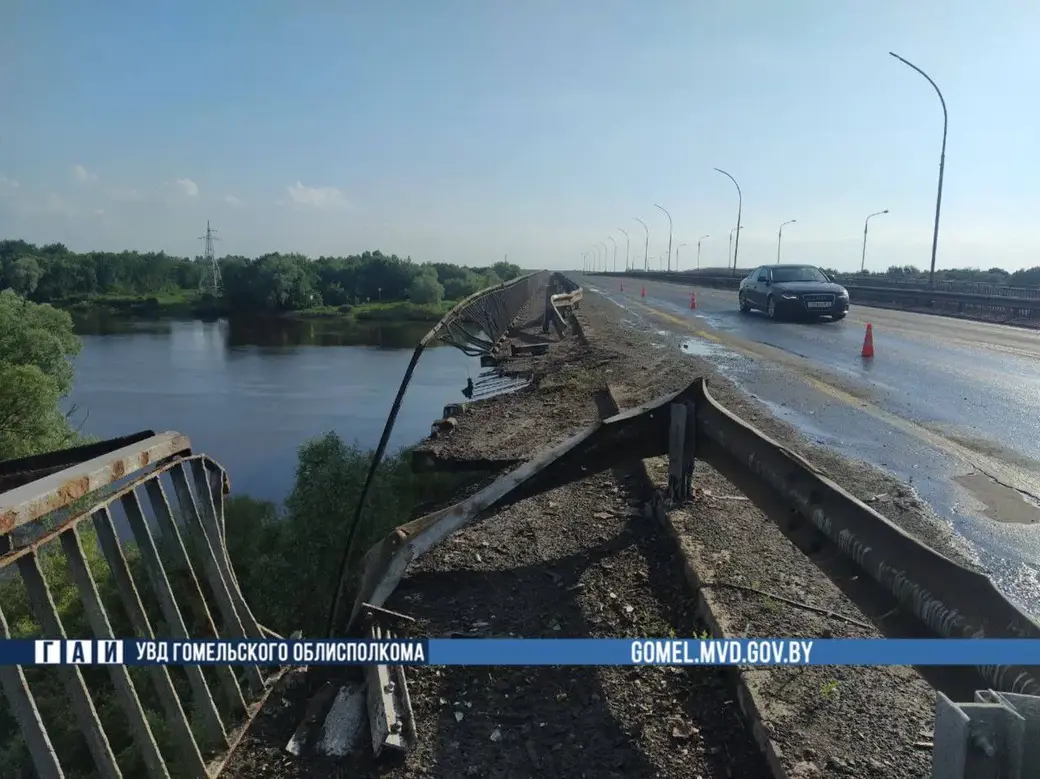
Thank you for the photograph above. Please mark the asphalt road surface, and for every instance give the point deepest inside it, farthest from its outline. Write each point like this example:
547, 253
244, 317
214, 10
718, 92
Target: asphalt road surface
949, 405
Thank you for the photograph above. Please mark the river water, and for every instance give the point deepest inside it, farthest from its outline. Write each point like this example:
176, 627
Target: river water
249, 393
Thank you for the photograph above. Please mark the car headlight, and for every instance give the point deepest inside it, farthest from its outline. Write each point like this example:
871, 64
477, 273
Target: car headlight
789, 296
844, 294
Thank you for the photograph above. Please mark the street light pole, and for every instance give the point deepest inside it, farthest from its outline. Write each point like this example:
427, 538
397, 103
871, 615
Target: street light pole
678, 246
627, 244
699, 250
730, 255
863, 259
740, 207
779, 235
605, 252
669, 236
646, 249
942, 165
611, 239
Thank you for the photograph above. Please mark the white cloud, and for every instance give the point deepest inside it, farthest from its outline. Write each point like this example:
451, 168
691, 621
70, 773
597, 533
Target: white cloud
125, 194
328, 198
82, 174
233, 201
7, 184
99, 212
188, 187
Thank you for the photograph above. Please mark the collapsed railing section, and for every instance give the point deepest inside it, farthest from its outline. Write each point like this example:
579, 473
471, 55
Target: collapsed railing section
178, 546
493, 311
479, 322
561, 297
951, 600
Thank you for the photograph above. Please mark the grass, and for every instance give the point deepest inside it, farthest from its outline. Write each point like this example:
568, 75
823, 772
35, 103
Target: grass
189, 303
388, 311
171, 303
403, 311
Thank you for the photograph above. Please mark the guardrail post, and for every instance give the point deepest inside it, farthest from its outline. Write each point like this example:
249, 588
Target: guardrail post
682, 451
547, 317
994, 736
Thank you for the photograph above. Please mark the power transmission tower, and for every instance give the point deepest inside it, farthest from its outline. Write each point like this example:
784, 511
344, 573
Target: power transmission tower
210, 280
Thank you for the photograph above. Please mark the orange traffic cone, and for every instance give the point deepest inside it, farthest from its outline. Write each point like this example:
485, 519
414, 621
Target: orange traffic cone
643, 293
868, 342
693, 300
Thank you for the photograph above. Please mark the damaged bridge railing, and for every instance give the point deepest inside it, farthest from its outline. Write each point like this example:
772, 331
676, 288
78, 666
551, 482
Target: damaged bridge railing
478, 326
949, 599
141, 520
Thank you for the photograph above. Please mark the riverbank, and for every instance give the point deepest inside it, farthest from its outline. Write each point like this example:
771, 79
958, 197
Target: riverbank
392, 311
184, 304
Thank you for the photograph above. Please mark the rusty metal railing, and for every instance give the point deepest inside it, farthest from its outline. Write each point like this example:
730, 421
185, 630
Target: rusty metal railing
178, 547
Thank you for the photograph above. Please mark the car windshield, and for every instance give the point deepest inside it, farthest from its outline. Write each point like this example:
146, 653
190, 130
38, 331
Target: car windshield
799, 273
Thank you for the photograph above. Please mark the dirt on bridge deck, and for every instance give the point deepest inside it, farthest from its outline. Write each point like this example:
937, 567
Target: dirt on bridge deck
582, 561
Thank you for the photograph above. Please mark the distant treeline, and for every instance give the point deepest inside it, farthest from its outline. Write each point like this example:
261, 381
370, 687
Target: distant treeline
911, 273
1029, 277
273, 282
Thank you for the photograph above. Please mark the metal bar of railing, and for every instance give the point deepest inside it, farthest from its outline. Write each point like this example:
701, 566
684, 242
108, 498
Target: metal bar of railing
102, 628
116, 475
156, 573
191, 756
23, 707
46, 614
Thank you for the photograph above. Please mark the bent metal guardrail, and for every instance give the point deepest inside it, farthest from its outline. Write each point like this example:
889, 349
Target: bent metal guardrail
1010, 305
494, 310
951, 600
49, 498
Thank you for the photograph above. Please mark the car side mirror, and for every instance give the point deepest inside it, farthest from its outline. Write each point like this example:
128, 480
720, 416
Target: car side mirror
768, 282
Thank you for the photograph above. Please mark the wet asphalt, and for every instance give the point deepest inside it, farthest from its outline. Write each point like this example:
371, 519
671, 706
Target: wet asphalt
950, 406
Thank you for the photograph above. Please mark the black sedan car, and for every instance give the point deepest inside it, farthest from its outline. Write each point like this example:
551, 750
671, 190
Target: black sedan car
793, 290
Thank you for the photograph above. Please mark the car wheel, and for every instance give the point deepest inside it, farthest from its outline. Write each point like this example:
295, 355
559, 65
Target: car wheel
837, 317
744, 307
771, 307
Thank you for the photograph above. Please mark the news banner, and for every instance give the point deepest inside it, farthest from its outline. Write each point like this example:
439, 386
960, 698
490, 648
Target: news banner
526, 652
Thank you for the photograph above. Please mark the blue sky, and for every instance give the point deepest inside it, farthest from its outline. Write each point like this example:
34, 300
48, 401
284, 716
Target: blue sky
469, 130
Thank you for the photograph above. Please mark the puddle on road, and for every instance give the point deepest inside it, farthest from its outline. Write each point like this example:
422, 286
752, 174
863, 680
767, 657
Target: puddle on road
1001, 503
700, 347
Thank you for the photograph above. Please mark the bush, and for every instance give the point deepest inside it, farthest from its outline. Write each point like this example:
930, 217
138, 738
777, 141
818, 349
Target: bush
425, 289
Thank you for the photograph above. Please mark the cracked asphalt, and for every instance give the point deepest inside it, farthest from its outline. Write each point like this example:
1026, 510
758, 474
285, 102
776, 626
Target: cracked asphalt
950, 406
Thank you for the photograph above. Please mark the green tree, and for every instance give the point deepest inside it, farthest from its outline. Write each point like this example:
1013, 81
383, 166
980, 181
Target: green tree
25, 275
36, 344
425, 288
272, 282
